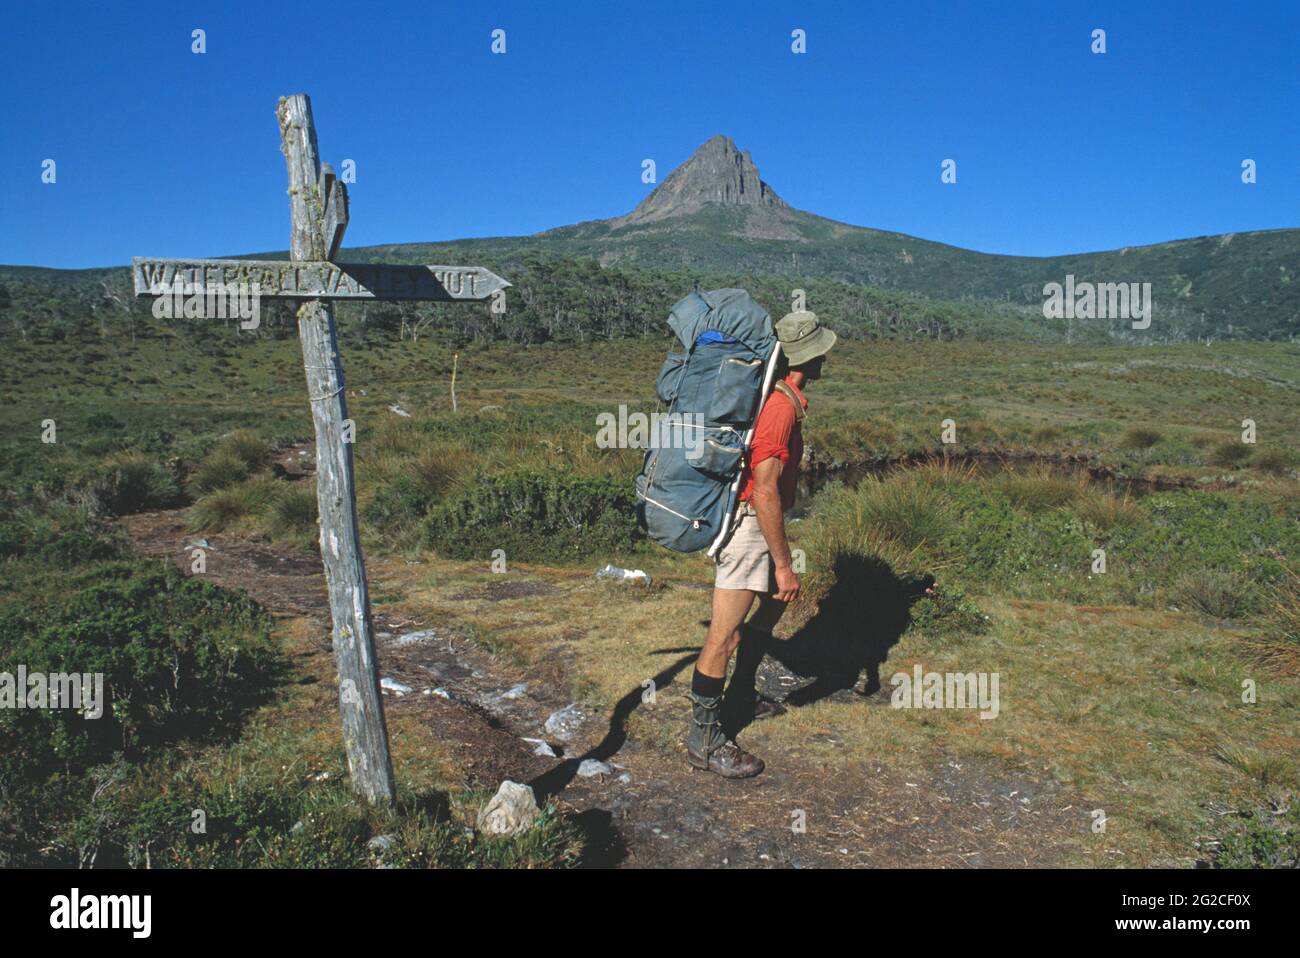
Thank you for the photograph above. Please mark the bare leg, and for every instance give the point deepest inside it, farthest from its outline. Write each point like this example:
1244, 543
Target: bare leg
730, 606
740, 704
707, 747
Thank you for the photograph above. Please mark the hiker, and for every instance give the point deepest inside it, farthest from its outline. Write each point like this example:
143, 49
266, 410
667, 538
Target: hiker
755, 561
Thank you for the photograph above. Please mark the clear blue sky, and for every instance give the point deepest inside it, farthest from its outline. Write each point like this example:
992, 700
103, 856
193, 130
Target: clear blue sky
162, 152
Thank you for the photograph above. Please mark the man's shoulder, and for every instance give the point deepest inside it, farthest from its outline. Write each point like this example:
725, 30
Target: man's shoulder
778, 417
784, 402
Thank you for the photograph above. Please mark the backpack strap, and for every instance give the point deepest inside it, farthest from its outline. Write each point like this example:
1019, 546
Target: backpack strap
784, 389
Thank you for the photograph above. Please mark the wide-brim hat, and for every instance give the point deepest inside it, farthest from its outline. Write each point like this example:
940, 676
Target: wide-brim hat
802, 338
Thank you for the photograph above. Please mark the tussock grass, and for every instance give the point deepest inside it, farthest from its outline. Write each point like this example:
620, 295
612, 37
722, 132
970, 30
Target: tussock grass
1106, 510
131, 481
248, 447
1279, 644
221, 468
1230, 453
1217, 593
1040, 488
901, 508
1275, 462
226, 507
293, 512
1140, 437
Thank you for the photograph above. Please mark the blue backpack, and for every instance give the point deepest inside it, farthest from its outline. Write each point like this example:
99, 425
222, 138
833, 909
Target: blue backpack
714, 386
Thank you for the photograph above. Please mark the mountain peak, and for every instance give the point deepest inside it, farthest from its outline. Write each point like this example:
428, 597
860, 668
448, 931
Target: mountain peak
717, 172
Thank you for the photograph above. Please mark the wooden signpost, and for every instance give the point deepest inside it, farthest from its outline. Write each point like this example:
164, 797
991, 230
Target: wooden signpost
318, 204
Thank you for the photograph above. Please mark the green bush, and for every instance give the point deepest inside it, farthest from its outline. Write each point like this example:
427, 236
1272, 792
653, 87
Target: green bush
220, 469
1140, 438
249, 448
1103, 510
536, 516
1275, 462
180, 659
122, 483
1039, 489
1216, 593
948, 611
293, 512
62, 536
237, 456
223, 508
1268, 841
1229, 453
406, 497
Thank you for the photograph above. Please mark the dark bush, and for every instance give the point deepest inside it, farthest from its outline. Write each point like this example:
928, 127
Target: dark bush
180, 659
536, 516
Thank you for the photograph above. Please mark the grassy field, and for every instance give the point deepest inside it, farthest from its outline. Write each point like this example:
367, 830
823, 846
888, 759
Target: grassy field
1124, 687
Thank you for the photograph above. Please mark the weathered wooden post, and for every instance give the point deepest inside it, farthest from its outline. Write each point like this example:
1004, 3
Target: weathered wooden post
313, 200
318, 205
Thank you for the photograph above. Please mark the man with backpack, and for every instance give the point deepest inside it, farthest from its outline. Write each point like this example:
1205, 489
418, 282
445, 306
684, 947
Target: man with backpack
755, 562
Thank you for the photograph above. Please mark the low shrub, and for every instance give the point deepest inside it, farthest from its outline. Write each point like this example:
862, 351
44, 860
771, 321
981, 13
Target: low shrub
536, 516
293, 512
1216, 593
1140, 438
180, 658
1275, 462
1229, 453
1039, 489
223, 508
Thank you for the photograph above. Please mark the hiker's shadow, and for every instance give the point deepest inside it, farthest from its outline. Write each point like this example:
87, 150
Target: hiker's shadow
848, 638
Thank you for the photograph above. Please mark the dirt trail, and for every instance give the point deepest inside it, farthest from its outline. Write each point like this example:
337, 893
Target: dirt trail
652, 809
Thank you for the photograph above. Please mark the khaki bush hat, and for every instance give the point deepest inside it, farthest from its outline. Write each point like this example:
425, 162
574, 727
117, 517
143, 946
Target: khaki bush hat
802, 338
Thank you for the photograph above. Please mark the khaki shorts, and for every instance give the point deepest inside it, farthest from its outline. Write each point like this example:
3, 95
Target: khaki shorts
745, 562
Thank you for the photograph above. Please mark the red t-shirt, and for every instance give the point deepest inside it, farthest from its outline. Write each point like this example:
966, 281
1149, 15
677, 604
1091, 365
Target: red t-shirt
777, 435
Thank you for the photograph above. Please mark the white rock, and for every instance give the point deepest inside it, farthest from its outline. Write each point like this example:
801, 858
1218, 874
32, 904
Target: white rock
513, 809
590, 768
413, 638
393, 685
565, 723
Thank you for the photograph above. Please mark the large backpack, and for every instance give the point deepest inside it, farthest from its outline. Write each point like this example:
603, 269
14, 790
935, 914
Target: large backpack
714, 386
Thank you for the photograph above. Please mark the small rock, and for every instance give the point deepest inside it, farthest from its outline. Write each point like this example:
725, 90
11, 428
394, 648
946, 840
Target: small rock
414, 638
393, 685
565, 723
399, 410
541, 747
625, 778
590, 768
515, 691
381, 843
440, 692
513, 809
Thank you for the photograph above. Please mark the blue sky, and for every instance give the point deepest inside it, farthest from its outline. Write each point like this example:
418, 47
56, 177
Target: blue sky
162, 152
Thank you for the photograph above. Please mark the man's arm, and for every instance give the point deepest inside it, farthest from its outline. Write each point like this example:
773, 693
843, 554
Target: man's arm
766, 500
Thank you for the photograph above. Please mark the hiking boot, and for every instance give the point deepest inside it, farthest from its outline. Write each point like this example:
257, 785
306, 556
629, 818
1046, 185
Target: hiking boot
709, 749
